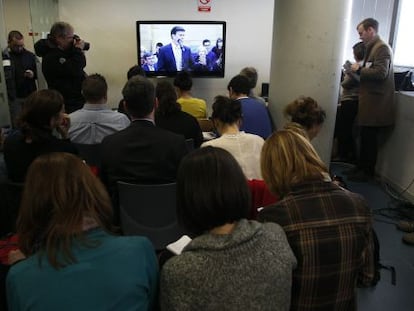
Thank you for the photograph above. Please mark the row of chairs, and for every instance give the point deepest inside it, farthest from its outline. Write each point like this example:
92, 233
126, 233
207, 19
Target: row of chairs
155, 214
148, 210
91, 152
11, 192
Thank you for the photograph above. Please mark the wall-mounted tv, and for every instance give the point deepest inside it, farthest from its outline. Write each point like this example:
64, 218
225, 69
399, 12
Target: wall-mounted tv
166, 47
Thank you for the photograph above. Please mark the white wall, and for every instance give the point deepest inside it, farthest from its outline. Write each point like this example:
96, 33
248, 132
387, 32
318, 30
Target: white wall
110, 28
395, 161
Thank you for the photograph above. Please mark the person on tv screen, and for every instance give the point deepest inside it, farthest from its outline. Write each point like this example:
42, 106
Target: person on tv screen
215, 56
200, 59
175, 56
158, 46
150, 62
206, 44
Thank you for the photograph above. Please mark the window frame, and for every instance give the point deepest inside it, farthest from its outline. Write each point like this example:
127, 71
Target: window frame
393, 38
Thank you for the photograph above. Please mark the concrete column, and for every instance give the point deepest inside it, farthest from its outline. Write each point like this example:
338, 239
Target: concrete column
307, 56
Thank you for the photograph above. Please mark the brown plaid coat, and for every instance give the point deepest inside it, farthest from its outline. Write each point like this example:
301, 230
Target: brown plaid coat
329, 231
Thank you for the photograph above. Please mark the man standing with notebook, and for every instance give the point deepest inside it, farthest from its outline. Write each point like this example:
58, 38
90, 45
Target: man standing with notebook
376, 109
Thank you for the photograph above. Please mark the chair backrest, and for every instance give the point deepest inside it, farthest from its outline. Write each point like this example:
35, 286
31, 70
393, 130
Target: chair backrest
90, 153
260, 195
10, 194
206, 125
189, 143
149, 210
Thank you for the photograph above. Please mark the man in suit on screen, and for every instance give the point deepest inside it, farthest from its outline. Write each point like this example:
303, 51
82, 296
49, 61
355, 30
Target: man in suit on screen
150, 62
175, 56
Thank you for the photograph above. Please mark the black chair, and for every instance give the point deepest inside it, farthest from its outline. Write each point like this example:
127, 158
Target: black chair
10, 194
265, 91
189, 142
3, 274
206, 125
149, 210
91, 153
403, 80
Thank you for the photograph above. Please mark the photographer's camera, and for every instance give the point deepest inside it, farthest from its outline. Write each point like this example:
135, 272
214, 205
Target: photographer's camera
86, 45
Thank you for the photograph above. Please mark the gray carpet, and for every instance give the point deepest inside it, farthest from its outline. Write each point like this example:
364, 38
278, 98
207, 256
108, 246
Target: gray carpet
388, 209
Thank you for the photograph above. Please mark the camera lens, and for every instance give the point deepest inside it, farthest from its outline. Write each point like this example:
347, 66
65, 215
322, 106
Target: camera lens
86, 45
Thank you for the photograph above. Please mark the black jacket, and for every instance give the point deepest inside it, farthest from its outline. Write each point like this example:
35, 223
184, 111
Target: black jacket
141, 153
15, 64
63, 71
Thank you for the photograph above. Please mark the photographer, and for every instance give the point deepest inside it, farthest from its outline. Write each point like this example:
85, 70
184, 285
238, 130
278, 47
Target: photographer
63, 63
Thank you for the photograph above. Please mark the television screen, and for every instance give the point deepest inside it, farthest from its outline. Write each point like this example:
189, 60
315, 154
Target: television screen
165, 47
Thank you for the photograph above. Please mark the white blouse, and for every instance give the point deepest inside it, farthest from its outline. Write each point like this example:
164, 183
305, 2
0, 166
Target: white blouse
245, 148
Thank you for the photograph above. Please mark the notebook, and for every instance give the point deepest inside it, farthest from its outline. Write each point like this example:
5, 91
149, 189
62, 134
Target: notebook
178, 246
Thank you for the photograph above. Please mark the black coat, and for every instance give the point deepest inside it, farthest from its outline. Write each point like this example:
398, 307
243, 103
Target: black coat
141, 153
17, 85
63, 71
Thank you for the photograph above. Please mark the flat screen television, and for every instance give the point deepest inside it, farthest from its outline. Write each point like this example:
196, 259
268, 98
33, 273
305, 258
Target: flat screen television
166, 47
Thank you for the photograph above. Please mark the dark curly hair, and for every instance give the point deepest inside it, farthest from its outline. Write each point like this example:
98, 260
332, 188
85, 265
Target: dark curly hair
226, 110
38, 110
167, 98
305, 111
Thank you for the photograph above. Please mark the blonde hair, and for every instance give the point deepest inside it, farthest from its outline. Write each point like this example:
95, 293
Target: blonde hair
60, 191
297, 128
288, 158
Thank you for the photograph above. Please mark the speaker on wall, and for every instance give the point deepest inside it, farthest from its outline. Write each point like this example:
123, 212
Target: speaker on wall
265, 91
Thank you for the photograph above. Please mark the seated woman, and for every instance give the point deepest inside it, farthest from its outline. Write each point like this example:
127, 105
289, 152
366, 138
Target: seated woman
215, 56
195, 106
41, 123
245, 147
304, 112
328, 227
232, 263
170, 117
65, 231
307, 118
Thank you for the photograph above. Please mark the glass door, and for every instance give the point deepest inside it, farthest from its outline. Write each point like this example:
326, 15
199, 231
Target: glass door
43, 14
4, 105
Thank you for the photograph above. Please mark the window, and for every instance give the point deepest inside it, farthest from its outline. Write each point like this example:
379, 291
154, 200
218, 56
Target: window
404, 48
